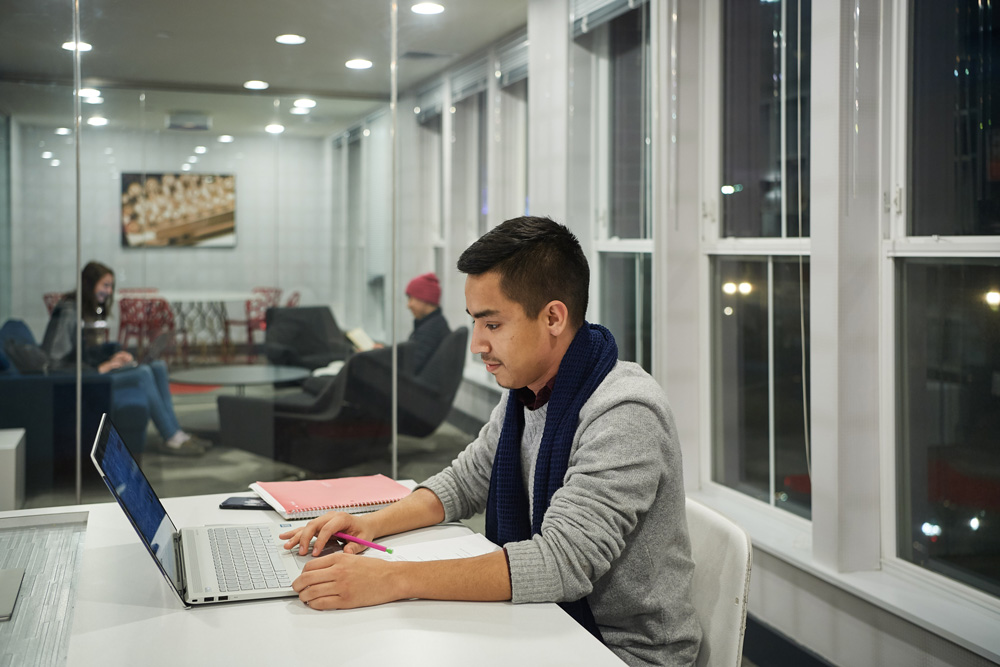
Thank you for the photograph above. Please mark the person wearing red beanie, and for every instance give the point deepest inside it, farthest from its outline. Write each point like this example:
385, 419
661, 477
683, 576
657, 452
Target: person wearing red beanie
429, 326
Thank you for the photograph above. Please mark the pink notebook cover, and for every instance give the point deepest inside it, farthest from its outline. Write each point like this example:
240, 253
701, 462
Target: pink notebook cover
315, 496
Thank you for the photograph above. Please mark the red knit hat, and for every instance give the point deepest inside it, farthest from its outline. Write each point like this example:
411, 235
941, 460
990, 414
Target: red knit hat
426, 288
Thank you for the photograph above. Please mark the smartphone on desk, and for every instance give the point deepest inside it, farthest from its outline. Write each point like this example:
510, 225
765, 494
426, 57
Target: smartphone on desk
244, 503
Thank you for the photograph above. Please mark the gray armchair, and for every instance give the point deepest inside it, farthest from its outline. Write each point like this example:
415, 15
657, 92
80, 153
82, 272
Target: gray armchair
336, 421
306, 336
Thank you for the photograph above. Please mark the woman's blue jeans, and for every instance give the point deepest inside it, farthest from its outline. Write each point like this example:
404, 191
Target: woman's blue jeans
152, 379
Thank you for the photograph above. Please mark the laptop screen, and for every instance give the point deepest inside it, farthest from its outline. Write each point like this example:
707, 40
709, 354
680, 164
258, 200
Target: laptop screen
136, 497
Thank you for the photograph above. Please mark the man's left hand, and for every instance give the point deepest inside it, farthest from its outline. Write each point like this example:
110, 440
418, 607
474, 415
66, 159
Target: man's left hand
345, 581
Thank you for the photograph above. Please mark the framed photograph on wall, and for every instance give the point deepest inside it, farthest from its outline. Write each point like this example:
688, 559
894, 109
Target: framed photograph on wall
163, 210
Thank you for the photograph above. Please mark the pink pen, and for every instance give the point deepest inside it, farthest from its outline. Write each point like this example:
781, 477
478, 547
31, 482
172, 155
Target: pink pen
365, 543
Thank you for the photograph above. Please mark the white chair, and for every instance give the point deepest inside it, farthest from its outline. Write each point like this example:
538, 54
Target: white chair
720, 585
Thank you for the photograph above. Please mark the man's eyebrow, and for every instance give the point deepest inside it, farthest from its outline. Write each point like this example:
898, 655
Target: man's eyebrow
482, 313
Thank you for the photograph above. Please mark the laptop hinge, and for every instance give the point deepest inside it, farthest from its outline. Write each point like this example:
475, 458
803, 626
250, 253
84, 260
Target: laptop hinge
179, 563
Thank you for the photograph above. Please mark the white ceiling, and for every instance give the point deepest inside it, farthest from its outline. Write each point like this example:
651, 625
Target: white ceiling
151, 58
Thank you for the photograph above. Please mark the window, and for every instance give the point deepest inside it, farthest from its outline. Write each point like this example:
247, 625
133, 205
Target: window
759, 314
759, 260
954, 146
949, 413
611, 137
766, 119
947, 301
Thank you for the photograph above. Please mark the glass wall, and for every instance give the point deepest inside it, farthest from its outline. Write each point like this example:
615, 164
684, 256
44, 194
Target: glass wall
248, 202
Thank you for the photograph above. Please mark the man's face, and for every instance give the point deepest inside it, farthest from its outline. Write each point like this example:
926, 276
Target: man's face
419, 308
105, 286
518, 350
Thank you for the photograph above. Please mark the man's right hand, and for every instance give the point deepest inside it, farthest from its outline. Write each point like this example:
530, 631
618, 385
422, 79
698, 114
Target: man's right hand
322, 528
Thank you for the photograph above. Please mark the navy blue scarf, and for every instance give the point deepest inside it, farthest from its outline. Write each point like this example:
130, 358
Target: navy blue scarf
588, 360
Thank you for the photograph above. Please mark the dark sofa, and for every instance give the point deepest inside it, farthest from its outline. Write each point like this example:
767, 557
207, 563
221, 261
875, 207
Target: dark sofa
44, 404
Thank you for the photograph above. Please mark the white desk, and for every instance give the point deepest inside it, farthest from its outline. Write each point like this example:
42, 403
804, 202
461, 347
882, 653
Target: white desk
126, 615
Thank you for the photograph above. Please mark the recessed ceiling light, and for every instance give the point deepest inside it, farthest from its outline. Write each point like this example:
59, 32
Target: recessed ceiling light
192, 159
200, 150
74, 46
427, 8
47, 155
185, 167
253, 84
367, 132
55, 163
89, 92
358, 63
305, 103
299, 111
93, 100
290, 39
62, 131
225, 139
274, 128
97, 121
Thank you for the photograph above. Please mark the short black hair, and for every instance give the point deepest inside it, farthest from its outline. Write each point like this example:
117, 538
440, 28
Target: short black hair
538, 261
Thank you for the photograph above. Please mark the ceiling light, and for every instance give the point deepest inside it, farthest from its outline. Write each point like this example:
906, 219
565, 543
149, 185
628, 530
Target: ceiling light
97, 121
358, 63
745, 288
200, 150
290, 39
427, 8
729, 288
225, 139
74, 46
274, 128
299, 111
93, 100
367, 132
185, 167
993, 298
62, 131
305, 103
253, 84
47, 155
192, 159
55, 163
416, 109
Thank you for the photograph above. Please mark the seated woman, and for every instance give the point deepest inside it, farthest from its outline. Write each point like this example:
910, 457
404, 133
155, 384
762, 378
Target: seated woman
98, 286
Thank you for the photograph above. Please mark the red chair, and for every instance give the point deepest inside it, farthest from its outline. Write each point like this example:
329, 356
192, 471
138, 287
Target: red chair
51, 299
255, 309
159, 320
132, 322
293, 300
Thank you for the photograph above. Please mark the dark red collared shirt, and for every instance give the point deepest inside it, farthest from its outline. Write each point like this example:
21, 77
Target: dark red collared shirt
533, 401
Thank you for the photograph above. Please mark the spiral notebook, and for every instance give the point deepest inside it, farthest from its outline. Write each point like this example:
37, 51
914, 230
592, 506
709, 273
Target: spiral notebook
313, 497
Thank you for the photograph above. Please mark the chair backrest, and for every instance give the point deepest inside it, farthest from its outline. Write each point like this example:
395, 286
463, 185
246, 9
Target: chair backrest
159, 317
132, 318
720, 585
443, 370
293, 300
15, 330
271, 295
51, 299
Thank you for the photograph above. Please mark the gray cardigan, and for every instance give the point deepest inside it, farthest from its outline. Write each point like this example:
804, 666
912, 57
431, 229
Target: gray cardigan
616, 530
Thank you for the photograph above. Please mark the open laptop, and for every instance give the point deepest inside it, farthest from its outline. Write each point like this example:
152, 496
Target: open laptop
205, 564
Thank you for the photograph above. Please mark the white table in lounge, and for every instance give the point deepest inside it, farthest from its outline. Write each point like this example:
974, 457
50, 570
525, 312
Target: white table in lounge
126, 615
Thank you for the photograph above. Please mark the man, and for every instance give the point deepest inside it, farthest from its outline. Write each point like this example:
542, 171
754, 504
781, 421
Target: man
429, 326
578, 469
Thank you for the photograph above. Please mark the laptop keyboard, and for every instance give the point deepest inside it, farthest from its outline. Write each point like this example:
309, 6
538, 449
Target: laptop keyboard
246, 559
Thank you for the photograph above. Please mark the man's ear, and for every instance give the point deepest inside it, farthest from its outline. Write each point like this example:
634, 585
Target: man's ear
556, 317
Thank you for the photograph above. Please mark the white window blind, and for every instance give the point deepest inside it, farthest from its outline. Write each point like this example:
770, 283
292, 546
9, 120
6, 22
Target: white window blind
470, 79
512, 59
